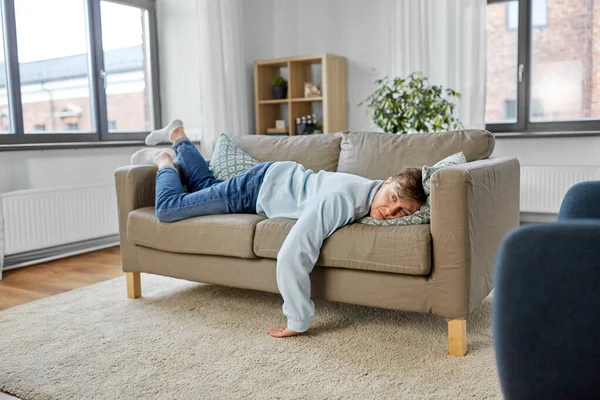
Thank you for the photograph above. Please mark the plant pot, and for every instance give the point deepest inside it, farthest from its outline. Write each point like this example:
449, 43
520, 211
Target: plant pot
279, 92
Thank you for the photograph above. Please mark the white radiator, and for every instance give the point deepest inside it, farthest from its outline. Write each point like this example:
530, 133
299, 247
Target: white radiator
40, 218
544, 187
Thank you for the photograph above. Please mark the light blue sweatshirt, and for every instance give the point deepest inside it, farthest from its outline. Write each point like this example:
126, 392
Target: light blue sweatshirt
321, 202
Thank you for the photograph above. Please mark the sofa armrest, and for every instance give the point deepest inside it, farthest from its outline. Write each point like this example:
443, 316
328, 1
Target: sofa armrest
473, 206
546, 322
135, 186
582, 200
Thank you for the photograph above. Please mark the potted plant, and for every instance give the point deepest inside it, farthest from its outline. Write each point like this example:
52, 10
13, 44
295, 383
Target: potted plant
279, 88
403, 105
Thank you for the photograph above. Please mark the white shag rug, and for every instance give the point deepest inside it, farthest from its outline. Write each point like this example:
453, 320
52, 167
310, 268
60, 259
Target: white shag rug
187, 340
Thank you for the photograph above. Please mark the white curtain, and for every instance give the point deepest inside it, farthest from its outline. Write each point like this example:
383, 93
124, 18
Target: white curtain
446, 40
223, 89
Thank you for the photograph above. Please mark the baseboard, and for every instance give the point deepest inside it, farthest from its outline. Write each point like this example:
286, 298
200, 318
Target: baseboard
52, 253
534, 218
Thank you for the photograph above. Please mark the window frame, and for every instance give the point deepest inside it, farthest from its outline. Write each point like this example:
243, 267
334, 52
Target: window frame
524, 127
18, 138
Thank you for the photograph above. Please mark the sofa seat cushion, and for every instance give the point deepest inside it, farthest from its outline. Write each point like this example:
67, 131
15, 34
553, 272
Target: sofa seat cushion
225, 235
395, 249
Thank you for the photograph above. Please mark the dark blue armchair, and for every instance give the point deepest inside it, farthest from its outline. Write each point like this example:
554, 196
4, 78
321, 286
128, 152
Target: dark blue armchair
546, 310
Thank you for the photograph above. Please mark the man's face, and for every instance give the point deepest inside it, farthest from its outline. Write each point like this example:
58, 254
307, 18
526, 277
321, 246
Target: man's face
387, 204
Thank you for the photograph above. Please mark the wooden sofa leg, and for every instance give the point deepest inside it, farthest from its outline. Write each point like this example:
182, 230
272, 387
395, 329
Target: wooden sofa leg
457, 337
134, 285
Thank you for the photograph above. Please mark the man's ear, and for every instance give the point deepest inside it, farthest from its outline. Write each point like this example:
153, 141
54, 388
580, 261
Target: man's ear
388, 180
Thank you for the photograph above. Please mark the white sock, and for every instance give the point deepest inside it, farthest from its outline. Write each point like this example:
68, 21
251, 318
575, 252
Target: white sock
164, 134
149, 156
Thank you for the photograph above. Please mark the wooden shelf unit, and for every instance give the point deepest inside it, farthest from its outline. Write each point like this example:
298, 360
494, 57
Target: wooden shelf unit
331, 79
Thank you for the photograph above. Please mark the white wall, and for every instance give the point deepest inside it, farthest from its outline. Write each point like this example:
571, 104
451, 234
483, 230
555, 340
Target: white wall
574, 157
355, 29
36, 169
576, 151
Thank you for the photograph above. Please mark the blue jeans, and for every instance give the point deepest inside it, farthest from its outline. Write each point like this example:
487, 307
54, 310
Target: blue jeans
206, 194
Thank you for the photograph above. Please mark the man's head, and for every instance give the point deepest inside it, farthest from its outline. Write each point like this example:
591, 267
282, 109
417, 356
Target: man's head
399, 196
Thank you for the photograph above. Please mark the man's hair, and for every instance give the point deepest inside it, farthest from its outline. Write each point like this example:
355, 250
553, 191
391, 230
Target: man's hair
409, 184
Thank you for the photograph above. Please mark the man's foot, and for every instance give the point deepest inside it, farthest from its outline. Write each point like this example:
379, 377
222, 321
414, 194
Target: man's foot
282, 331
164, 134
165, 158
151, 156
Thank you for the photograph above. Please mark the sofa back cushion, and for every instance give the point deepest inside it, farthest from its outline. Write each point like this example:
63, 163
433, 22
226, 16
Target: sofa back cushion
316, 152
377, 155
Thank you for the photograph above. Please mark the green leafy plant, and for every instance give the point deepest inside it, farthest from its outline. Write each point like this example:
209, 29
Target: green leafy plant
280, 82
402, 105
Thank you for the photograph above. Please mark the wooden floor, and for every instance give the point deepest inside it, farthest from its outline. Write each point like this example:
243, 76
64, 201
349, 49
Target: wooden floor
22, 285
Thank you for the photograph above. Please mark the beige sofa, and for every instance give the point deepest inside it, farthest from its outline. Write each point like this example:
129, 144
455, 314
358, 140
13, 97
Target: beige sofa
444, 268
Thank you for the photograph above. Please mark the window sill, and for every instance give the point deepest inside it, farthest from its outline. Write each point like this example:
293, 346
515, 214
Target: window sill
75, 145
532, 135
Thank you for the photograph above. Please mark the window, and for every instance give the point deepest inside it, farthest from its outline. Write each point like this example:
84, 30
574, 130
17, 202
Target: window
90, 71
510, 110
537, 109
4, 117
52, 66
128, 69
539, 18
543, 67
501, 80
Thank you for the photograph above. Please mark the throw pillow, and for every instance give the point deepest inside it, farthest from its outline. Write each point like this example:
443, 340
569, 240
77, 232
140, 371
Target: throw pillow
228, 161
421, 216
454, 159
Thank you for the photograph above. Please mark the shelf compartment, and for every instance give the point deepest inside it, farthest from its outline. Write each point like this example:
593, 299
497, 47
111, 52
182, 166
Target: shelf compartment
301, 72
268, 114
264, 75
298, 109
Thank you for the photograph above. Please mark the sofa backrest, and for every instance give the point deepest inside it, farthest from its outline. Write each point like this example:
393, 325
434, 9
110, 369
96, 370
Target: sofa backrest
316, 152
377, 155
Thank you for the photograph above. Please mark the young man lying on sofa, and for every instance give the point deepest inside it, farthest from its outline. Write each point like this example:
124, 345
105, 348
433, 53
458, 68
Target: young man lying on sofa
321, 202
